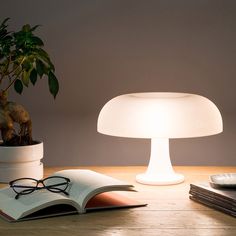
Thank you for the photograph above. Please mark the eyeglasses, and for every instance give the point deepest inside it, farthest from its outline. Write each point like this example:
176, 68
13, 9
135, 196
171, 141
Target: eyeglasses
55, 184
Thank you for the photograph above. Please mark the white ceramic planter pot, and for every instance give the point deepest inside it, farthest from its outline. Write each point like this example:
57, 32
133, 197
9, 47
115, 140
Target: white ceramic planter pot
21, 161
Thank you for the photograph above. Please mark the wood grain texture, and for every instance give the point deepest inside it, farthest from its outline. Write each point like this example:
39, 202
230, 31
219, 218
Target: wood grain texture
169, 211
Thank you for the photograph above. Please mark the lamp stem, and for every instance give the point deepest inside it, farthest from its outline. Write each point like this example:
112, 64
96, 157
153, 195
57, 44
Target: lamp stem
159, 171
159, 162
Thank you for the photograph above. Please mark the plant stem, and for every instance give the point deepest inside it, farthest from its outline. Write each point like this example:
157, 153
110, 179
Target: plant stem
1, 78
13, 81
15, 68
3, 74
17, 76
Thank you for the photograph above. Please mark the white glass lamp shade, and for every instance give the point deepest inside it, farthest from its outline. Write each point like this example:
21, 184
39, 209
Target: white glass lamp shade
166, 115
160, 116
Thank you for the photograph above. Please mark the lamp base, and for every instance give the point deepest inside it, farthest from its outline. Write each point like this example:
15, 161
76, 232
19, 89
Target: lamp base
160, 180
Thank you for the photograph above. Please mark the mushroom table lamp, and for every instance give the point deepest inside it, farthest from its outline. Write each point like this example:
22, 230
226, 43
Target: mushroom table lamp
159, 116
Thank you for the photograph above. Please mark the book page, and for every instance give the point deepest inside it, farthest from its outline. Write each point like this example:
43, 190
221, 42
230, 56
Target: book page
27, 204
87, 183
111, 200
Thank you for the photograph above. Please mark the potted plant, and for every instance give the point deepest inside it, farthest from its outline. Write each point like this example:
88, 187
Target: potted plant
23, 61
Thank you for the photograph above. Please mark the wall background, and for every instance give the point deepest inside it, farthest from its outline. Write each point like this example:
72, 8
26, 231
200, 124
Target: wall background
104, 48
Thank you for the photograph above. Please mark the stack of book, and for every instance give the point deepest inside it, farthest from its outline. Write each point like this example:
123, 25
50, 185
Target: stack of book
220, 199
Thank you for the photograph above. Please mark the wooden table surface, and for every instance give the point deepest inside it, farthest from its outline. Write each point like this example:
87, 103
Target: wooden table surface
169, 211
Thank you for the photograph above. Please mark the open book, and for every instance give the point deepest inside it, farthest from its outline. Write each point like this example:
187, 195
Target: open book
88, 191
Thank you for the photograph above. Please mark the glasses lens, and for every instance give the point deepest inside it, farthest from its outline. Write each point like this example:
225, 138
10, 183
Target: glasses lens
24, 186
56, 183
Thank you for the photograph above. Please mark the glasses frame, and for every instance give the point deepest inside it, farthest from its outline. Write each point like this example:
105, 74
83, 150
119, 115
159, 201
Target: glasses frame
29, 189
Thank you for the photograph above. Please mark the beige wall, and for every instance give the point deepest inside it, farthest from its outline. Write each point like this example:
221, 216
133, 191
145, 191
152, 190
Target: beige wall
105, 48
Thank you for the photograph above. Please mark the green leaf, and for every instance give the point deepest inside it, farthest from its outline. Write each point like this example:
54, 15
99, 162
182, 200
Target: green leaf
42, 53
33, 76
5, 20
37, 41
44, 57
34, 28
53, 84
26, 28
18, 86
25, 78
27, 65
40, 68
